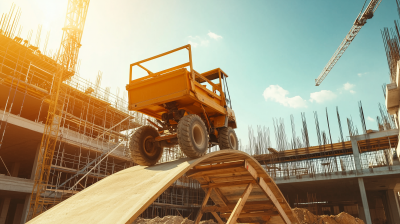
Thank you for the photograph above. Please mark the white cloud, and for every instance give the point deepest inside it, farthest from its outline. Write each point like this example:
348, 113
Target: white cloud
361, 74
214, 36
278, 94
370, 118
321, 96
196, 41
349, 87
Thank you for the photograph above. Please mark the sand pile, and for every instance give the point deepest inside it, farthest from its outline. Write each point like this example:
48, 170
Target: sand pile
169, 220
306, 217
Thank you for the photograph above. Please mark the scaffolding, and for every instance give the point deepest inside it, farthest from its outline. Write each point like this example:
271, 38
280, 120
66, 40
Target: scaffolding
93, 122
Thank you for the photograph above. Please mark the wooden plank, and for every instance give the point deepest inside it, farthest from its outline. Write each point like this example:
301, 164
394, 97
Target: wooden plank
240, 173
216, 196
269, 193
252, 203
224, 158
246, 208
218, 166
253, 214
228, 184
200, 213
216, 216
240, 204
229, 179
171, 205
221, 196
217, 171
251, 170
216, 209
254, 196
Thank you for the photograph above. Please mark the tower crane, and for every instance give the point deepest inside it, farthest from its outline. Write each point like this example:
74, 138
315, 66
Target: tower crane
360, 21
66, 62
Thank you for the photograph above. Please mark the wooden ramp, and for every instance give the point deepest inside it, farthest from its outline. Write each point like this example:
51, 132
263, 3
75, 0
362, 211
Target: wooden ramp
240, 188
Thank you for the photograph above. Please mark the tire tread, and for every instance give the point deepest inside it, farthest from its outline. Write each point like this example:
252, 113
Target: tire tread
136, 154
184, 140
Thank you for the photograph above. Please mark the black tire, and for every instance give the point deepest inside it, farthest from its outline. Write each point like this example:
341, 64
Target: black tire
227, 139
192, 136
143, 148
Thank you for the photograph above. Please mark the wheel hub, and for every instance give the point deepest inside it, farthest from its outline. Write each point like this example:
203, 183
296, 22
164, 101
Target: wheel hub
198, 135
232, 140
149, 146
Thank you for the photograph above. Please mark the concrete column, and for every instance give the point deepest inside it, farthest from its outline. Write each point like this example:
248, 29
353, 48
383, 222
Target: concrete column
4, 210
18, 214
393, 206
15, 169
364, 201
35, 162
361, 214
25, 209
386, 207
356, 153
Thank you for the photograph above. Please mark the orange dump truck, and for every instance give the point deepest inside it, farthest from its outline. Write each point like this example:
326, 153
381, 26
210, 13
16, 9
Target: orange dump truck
191, 109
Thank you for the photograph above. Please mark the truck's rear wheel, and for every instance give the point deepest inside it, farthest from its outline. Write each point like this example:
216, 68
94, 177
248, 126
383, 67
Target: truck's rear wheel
144, 149
192, 136
227, 139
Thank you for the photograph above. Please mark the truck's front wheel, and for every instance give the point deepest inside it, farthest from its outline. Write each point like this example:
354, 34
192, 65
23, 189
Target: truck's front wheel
192, 136
144, 149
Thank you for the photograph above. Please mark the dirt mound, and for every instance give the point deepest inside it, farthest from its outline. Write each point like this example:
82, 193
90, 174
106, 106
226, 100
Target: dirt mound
306, 217
169, 220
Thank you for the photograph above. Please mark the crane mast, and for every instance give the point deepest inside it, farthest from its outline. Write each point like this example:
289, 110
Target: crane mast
66, 62
360, 21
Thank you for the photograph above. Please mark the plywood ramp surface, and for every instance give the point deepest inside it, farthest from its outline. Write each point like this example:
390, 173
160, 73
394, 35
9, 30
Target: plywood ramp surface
123, 196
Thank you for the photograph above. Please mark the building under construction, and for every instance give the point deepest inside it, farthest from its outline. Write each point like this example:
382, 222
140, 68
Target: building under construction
358, 175
93, 135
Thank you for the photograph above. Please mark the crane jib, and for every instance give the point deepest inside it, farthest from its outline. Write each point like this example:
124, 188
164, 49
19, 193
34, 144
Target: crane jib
358, 23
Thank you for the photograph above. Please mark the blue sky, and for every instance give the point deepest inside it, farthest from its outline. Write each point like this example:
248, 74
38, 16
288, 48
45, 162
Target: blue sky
271, 50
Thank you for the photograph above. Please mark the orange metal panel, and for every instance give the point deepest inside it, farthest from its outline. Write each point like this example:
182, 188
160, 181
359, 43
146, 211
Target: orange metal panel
218, 121
158, 88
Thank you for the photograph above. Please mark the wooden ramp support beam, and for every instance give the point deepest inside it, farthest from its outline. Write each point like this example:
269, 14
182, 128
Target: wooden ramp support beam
216, 216
232, 214
203, 205
253, 214
248, 207
264, 187
240, 204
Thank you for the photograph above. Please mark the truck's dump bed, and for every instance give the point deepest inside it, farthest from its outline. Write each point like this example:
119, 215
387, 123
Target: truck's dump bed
194, 92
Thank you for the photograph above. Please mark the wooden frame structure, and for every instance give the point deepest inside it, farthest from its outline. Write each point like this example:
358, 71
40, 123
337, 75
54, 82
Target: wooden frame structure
226, 181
